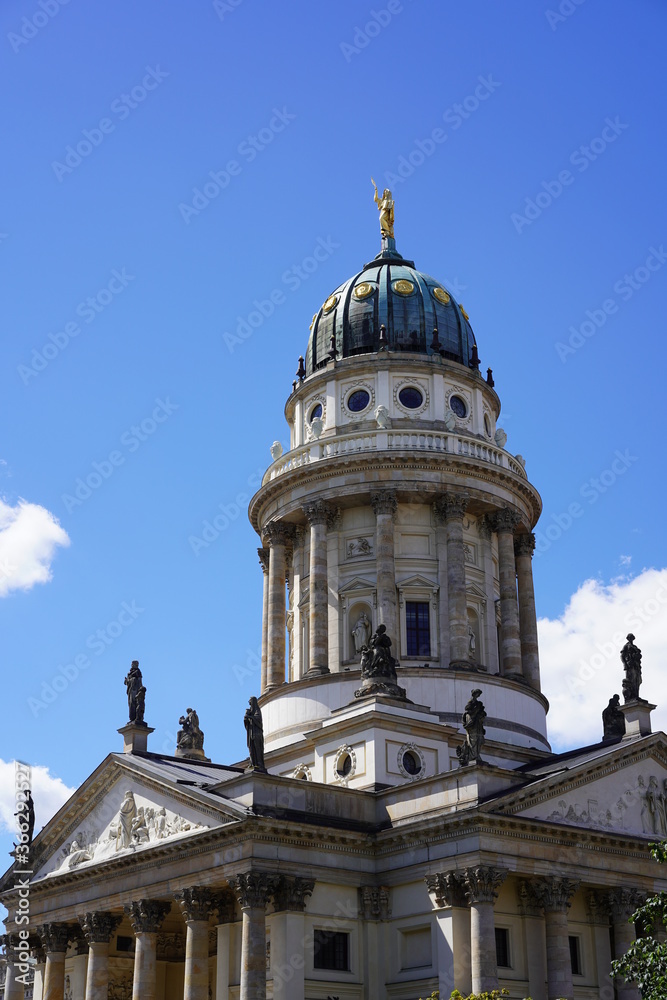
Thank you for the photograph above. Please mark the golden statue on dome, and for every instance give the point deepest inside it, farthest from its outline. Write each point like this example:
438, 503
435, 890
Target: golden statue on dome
385, 206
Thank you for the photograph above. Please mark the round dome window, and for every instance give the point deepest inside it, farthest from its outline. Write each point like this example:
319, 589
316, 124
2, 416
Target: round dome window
410, 398
411, 762
458, 406
358, 400
315, 412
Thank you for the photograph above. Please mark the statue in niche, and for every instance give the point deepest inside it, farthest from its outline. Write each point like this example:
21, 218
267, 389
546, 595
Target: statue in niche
378, 667
126, 815
254, 727
136, 693
632, 663
361, 632
190, 736
473, 723
613, 720
385, 206
472, 642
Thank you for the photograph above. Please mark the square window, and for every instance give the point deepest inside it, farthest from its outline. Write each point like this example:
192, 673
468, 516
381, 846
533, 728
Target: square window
331, 950
503, 948
417, 628
575, 956
124, 943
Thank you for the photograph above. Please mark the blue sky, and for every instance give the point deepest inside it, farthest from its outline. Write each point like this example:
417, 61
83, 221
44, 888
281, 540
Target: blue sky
125, 291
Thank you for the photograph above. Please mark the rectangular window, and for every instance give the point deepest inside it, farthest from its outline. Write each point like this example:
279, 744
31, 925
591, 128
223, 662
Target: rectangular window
124, 943
417, 628
575, 956
332, 950
503, 948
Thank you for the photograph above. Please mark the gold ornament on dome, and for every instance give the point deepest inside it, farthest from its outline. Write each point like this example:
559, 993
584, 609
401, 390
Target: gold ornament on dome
403, 287
441, 295
464, 313
363, 290
385, 206
330, 303
312, 322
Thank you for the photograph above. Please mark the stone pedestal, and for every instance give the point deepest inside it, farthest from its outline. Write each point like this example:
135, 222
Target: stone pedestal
385, 506
146, 916
637, 718
192, 754
135, 737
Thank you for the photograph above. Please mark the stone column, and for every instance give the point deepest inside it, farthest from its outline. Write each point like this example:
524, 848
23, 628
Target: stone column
623, 903
554, 895
385, 506
452, 506
598, 912
374, 911
226, 907
504, 522
317, 514
453, 932
279, 535
530, 908
54, 938
98, 927
296, 670
13, 989
197, 904
264, 563
524, 546
146, 916
485, 530
443, 599
288, 935
482, 883
37, 952
252, 891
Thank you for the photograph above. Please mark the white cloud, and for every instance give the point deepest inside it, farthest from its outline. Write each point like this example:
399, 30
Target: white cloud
580, 654
29, 536
48, 793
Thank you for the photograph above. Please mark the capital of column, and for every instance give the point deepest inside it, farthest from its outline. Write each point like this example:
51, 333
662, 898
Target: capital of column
99, 925
264, 560
197, 902
290, 893
9, 942
482, 883
279, 533
253, 889
374, 902
319, 512
524, 545
448, 889
530, 904
146, 915
505, 519
623, 903
451, 505
597, 906
54, 937
555, 893
384, 502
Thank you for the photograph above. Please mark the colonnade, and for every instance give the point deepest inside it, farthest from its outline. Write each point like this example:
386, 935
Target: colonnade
518, 653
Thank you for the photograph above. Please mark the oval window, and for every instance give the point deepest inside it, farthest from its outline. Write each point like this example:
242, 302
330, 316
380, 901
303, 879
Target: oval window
344, 765
410, 398
315, 412
358, 400
411, 762
458, 406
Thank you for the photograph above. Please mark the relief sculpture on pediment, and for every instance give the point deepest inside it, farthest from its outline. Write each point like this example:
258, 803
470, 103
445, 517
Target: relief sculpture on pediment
641, 808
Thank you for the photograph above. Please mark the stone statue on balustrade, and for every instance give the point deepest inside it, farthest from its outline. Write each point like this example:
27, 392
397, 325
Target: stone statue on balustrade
254, 727
632, 663
378, 668
613, 720
190, 738
473, 723
136, 694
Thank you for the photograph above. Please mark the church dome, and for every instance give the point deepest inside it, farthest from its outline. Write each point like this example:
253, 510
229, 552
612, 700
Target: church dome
390, 292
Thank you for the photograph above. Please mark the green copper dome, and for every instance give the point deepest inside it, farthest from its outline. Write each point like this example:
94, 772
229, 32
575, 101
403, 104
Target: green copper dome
390, 292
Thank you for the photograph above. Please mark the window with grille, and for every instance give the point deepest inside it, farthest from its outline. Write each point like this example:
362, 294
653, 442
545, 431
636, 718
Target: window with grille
332, 950
417, 628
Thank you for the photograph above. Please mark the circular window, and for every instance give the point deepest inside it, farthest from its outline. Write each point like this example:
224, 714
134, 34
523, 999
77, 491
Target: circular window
458, 406
411, 762
411, 398
315, 412
344, 765
487, 425
358, 400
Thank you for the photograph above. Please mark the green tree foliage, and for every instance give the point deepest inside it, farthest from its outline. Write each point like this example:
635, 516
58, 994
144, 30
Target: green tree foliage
645, 962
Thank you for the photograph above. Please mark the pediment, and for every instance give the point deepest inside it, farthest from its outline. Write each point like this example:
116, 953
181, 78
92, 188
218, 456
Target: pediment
357, 583
625, 795
119, 812
418, 581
